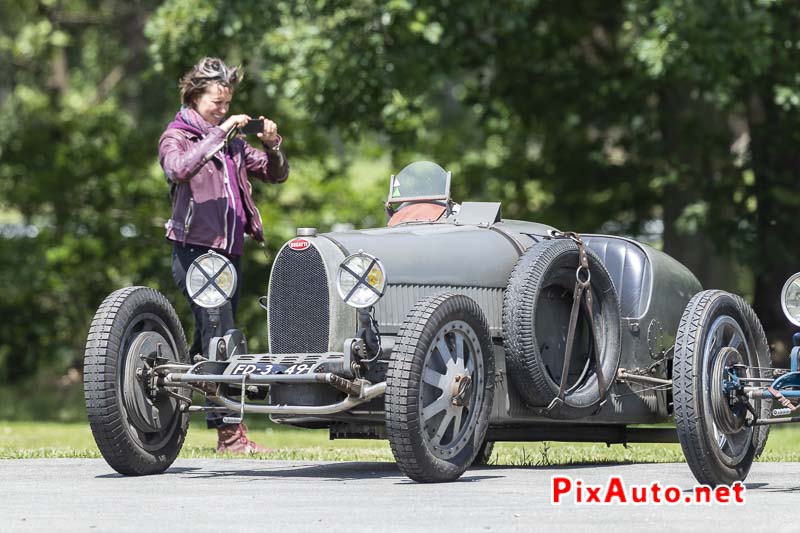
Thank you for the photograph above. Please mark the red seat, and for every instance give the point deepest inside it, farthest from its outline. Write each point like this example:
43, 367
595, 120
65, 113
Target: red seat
417, 212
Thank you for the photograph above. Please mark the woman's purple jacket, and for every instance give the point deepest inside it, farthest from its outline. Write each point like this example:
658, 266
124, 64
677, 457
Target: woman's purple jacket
196, 170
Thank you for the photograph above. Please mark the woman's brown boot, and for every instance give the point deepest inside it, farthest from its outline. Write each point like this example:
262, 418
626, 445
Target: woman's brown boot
233, 439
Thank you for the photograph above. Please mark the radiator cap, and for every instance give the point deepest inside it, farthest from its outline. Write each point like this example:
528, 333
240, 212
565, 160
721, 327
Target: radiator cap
306, 232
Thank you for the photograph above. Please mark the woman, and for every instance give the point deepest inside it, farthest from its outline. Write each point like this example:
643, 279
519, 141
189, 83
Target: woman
207, 166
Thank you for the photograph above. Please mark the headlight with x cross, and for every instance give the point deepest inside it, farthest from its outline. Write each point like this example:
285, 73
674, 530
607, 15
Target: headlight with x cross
361, 280
211, 280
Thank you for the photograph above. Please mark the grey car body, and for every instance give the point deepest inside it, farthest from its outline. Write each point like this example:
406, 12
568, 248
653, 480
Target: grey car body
474, 259
447, 330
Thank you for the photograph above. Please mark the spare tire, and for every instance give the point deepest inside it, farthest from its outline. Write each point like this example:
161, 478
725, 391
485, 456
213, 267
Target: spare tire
536, 311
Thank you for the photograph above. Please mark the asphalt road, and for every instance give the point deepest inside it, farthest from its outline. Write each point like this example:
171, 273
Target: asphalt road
243, 495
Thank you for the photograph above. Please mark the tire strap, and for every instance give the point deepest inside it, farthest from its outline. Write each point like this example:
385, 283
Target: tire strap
581, 297
783, 400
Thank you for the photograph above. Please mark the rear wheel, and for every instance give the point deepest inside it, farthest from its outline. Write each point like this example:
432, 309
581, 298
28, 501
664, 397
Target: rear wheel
138, 429
439, 388
717, 331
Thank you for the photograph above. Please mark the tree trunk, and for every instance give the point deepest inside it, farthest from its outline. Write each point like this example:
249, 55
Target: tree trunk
686, 156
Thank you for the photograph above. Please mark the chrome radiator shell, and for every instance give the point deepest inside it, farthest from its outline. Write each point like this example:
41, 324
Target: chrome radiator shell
306, 313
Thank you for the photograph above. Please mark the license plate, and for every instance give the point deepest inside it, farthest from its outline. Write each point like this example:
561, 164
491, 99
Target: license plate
266, 369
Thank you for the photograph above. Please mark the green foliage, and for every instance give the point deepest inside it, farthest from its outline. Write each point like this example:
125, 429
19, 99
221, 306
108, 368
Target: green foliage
77, 173
82, 195
596, 115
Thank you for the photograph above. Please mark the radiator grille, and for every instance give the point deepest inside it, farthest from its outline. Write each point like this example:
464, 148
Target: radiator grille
392, 309
299, 313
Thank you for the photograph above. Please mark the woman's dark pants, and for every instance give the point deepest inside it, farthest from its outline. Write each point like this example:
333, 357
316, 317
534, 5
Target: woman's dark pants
182, 257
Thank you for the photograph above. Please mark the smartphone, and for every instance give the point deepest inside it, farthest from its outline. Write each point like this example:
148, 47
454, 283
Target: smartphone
253, 126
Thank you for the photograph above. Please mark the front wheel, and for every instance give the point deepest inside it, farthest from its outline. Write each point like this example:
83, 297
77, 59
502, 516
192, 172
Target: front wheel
439, 388
139, 429
718, 331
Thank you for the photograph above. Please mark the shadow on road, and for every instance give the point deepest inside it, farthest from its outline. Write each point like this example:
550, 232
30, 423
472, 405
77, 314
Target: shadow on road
578, 466
353, 471
350, 471
766, 487
333, 471
328, 472
173, 470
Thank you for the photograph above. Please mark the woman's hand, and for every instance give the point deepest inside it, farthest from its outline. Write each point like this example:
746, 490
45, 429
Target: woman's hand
270, 134
234, 121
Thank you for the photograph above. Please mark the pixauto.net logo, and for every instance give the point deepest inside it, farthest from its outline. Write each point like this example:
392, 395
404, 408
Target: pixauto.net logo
565, 489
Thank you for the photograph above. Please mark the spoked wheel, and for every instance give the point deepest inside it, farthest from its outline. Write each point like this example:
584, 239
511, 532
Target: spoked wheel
719, 340
139, 429
439, 388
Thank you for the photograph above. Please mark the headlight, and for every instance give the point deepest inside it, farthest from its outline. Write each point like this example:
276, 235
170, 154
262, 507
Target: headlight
211, 280
360, 280
790, 299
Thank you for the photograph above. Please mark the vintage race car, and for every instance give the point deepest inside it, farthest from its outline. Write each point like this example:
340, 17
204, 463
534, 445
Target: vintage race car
444, 332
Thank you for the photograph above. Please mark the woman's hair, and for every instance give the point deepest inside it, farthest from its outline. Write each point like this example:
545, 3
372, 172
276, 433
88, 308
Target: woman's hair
206, 72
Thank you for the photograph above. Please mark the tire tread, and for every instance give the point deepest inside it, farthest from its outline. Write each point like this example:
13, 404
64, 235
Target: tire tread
692, 432
405, 367
100, 375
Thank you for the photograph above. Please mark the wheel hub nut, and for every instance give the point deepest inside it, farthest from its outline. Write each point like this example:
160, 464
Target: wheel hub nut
461, 387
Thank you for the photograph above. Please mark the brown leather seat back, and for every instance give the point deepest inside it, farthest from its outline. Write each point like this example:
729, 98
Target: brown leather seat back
417, 212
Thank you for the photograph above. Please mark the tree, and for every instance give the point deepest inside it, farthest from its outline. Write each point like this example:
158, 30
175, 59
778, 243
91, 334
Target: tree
74, 172
587, 115
668, 120
83, 200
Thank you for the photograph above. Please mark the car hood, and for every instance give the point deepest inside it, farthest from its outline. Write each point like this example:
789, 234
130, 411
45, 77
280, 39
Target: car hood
445, 253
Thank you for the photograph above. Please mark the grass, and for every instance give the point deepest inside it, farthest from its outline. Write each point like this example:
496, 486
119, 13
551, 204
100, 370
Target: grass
29, 440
